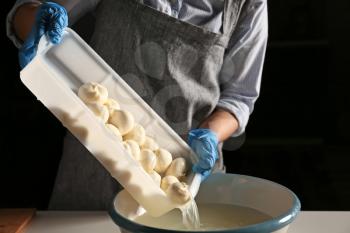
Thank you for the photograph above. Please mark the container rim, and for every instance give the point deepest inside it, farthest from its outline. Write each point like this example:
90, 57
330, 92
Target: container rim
269, 226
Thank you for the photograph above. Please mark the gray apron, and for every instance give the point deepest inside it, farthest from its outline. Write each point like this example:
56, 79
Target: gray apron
173, 65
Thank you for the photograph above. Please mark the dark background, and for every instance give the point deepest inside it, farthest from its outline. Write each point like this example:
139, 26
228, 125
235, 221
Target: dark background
298, 134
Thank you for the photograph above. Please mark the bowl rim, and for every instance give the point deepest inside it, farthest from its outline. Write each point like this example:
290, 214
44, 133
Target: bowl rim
269, 226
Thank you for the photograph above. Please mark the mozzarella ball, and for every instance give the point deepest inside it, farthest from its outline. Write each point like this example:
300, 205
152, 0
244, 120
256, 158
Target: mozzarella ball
137, 134
177, 168
115, 131
133, 147
149, 143
93, 93
164, 159
123, 120
178, 192
99, 110
112, 105
148, 160
168, 180
156, 177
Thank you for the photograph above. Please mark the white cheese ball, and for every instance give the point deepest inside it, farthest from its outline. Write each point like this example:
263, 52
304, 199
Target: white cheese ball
137, 134
123, 120
99, 110
156, 177
112, 105
93, 93
164, 160
168, 180
178, 192
177, 168
149, 143
148, 160
115, 131
133, 147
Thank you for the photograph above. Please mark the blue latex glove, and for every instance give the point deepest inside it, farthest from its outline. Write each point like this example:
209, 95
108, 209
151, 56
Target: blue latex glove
204, 143
51, 19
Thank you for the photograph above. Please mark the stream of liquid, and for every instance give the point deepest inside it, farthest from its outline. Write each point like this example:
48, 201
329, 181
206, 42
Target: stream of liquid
212, 217
190, 215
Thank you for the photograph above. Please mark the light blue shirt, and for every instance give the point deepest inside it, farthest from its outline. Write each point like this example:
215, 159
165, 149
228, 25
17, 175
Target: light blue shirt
241, 72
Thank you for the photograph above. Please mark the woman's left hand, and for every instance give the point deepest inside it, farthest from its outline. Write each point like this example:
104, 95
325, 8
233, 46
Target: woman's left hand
204, 142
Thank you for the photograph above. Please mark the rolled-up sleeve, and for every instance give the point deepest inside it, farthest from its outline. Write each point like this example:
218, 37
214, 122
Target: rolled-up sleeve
75, 9
240, 76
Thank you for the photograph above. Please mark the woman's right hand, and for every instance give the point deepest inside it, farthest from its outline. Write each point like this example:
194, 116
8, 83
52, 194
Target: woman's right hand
50, 19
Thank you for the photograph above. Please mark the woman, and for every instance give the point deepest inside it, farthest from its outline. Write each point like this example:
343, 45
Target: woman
197, 63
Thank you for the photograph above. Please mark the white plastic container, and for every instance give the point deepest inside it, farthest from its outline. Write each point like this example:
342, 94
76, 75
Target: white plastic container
55, 75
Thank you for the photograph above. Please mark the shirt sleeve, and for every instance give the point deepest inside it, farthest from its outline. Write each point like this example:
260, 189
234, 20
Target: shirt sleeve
75, 8
241, 72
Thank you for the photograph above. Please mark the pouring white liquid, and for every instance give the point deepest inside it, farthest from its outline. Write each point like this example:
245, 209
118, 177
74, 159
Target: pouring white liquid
213, 217
190, 215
